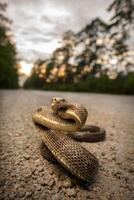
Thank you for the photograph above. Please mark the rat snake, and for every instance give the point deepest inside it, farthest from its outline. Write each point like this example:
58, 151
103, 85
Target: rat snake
61, 116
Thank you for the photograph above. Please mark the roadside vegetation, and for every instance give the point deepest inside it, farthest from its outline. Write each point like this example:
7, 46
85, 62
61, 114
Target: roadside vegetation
8, 62
120, 85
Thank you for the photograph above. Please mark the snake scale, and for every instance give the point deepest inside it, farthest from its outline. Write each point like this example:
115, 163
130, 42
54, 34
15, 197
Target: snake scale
57, 123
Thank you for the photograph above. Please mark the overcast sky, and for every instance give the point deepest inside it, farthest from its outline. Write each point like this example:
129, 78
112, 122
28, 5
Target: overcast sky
38, 25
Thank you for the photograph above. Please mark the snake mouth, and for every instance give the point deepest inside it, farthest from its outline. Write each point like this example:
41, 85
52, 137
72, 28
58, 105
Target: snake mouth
62, 109
41, 127
71, 121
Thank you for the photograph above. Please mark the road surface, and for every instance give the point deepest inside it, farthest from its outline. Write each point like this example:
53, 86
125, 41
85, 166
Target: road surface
25, 174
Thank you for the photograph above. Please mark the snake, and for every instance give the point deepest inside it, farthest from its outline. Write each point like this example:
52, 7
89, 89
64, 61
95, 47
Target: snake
58, 122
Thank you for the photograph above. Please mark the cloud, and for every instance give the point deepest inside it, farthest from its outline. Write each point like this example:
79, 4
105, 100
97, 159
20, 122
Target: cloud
38, 25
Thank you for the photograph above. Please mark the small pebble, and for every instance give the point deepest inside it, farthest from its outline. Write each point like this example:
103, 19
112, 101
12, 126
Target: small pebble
44, 181
131, 168
71, 192
66, 183
21, 193
28, 194
27, 156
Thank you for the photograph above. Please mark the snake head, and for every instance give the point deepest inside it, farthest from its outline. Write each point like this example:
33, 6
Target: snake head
57, 103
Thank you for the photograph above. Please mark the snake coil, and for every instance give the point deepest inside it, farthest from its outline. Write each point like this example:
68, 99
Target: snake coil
56, 120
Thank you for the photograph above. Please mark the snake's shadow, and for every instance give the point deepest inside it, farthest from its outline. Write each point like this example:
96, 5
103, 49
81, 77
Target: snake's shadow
46, 154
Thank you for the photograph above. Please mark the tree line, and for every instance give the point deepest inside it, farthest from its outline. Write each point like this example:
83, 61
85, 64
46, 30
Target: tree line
95, 59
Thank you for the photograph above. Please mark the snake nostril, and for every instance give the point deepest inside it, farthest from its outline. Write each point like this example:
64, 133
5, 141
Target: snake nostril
39, 109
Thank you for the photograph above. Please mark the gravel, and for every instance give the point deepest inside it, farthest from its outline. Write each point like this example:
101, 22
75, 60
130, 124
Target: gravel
26, 174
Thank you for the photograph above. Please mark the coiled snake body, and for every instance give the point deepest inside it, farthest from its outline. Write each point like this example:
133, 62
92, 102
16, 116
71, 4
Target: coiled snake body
64, 117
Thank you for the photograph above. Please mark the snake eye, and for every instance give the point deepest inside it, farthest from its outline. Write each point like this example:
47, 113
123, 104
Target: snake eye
54, 99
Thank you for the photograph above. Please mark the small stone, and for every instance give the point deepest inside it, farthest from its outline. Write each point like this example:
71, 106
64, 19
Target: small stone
51, 183
104, 198
22, 129
9, 134
27, 145
34, 177
13, 173
40, 169
131, 168
16, 186
103, 154
117, 174
27, 156
28, 175
2, 182
21, 193
51, 171
67, 183
4, 157
47, 181
71, 192
37, 187
36, 172
89, 197
114, 158
17, 162
112, 148
118, 163
37, 162
28, 194
56, 196
12, 195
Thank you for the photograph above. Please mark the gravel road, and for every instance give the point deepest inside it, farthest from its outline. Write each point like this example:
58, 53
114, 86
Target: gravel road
25, 174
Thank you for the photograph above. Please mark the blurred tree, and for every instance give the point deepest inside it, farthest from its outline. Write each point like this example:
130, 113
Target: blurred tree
94, 59
123, 13
91, 37
8, 67
34, 81
122, 22
121, 26
58, 66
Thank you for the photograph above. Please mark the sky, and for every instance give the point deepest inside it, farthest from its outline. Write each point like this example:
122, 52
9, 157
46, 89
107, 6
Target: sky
38, 25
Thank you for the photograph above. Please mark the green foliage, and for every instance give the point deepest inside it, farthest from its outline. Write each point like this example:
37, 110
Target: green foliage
120, 85
128, 85
34, 82
8, 71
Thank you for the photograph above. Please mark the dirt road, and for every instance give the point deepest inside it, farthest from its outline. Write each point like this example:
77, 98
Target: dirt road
25, 174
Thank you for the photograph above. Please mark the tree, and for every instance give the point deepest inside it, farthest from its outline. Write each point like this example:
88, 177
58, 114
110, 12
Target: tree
91, 37
8, 67
34, 81
123, 13
121, 26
